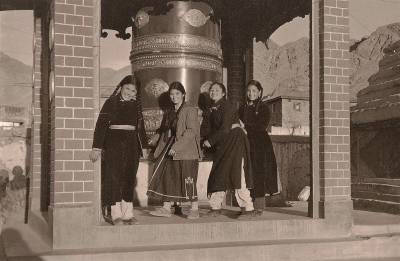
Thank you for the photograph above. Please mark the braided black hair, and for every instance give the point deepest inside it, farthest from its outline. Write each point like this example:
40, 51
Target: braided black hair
130, 79
171, 114
258, 85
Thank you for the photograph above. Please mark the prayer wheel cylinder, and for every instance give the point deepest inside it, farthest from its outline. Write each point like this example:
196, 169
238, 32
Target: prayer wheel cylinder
181, 43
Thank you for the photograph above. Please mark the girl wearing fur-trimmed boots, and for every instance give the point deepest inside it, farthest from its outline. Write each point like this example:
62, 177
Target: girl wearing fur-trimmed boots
117, 139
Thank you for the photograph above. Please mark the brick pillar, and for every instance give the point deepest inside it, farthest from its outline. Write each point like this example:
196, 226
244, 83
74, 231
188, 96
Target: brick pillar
36, 148
72, 104
334, 117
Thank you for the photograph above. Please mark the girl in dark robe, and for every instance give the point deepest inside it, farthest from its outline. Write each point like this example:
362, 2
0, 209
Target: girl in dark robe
177, 155
255, 116
231, 169
117, 138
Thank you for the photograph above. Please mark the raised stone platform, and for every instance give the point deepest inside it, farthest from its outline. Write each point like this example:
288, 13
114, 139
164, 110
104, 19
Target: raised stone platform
152, 231
375, 235
295, 250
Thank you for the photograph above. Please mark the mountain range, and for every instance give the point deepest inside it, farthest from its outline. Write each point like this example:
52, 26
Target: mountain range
282, 70
15, 81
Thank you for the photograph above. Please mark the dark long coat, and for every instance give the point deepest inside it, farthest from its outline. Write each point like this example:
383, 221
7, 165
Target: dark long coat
230, 147
121, 148
256, 119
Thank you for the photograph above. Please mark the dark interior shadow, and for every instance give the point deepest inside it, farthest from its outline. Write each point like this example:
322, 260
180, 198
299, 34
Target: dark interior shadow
135, 200
204, 101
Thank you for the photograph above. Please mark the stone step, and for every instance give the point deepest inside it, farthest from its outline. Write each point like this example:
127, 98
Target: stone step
274, 224
375, 230
395, 182
377, 188
208, 231
376, 205
370, 259
375, 195
288, 250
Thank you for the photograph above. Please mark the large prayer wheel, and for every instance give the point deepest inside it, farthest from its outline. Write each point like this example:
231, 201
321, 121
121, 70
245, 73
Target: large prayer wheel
182, 44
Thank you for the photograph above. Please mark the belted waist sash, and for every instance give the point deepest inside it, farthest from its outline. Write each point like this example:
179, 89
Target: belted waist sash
122, 127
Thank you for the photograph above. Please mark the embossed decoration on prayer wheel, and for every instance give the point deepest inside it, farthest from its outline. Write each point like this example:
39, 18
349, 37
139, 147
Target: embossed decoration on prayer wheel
181, 44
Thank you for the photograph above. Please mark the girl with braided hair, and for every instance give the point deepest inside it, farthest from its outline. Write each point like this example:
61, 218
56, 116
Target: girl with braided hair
177, 155
118, 137
255, 115
231, 168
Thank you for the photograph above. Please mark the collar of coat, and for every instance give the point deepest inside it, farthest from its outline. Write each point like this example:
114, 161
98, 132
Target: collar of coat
215, 106
123, 100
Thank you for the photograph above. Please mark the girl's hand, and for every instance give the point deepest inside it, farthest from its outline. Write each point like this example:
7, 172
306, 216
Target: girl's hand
235, 125
206, 144
171, 152
242, 126
95, 154
153, 140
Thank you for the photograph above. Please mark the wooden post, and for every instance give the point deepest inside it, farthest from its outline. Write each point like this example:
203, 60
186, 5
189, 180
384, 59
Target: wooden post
313, 209
96, 101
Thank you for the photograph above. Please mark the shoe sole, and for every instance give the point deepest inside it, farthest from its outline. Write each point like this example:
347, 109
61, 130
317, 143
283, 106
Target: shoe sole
118, 222
130, 222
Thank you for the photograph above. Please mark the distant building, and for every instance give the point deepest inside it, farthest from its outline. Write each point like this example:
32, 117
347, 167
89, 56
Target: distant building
290, 115
13, 116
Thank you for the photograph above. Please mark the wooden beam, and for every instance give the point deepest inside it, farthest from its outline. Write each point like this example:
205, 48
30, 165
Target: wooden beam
96, 103
6, 5
315, 108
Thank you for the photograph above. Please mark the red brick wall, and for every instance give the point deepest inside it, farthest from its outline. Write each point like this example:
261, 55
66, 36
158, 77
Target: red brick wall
335, 116
73, 115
